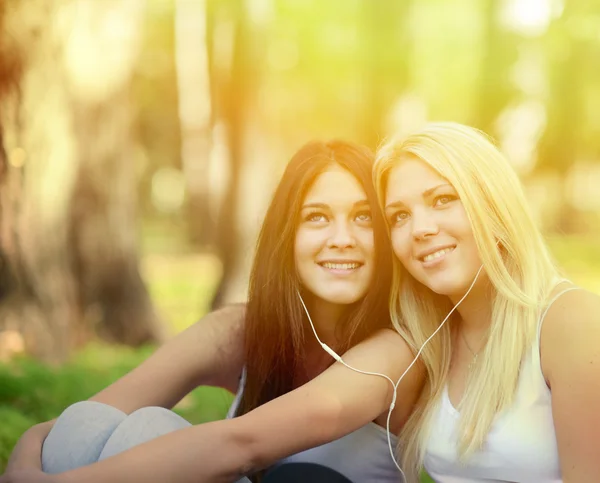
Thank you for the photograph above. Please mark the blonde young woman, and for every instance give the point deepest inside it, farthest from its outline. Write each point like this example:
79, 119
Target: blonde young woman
514, 375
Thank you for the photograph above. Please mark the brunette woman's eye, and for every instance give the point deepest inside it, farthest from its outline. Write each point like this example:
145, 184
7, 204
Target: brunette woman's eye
364, 216
316, 217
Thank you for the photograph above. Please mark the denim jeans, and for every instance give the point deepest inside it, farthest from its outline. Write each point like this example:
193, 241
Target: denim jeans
304, 473
89, 431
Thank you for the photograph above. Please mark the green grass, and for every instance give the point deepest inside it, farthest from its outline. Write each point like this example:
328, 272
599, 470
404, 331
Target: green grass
31, 392
181, 284
425, 478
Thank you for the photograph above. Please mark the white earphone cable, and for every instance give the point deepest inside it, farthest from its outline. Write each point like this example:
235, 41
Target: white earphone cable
338, 358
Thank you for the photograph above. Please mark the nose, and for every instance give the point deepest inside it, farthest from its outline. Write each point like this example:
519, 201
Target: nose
423, 225
341, 235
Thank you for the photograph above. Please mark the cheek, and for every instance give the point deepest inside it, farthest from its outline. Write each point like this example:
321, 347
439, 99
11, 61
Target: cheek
367, 243
459, 226
400, 244
297, 247
304, 244
458, 221
464, 230
303, 258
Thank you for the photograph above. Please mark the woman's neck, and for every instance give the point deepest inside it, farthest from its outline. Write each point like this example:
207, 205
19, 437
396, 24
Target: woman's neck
325, 317
476, 309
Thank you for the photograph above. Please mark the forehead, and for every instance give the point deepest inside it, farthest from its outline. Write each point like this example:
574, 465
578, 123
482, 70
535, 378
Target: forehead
411, 177
335, 185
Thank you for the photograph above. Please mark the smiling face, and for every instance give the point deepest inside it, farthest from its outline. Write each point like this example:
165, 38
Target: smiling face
334, 250
430, 231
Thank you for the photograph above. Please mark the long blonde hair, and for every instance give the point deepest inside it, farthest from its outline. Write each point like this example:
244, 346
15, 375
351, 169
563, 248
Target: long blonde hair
515, 258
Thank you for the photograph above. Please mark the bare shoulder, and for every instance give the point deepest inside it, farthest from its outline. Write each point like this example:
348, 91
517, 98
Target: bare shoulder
215, 345
570, 331
572, 314
386, 336
385, 343
221, 328
399, 361
571, 365
386, 351
227, 320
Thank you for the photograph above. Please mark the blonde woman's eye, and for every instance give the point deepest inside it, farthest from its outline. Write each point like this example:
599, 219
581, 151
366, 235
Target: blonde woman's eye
399, 217
444, 199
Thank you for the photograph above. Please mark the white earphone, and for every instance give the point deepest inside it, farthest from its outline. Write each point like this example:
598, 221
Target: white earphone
338, 358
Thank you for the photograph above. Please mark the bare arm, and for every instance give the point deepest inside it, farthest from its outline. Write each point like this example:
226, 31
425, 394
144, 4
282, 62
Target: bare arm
571, 362
332, 405
208, 353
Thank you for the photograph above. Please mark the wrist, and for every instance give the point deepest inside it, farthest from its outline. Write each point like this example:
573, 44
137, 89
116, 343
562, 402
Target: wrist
66, 477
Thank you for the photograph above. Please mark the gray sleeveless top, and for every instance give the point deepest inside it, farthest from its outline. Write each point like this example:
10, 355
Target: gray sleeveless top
362, 456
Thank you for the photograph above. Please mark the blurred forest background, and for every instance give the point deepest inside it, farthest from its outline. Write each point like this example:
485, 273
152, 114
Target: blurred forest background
140, 141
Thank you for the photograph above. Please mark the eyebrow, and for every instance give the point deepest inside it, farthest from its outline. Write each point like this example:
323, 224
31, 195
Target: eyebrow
427, 193
325, 206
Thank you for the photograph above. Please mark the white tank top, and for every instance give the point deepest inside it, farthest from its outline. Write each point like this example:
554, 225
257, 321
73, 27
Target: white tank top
362, 456
521, 445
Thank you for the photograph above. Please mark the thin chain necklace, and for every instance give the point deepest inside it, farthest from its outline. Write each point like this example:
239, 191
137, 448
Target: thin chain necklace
475, 354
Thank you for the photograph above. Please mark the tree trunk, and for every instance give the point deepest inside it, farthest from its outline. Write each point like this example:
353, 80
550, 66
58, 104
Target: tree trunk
196, 117
232, 89
67, 220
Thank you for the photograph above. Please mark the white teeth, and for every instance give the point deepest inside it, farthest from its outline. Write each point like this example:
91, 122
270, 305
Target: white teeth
341, 266
438, 254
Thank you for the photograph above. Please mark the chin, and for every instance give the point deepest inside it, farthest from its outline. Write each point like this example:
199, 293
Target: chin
342, 298
450, 288
443, 284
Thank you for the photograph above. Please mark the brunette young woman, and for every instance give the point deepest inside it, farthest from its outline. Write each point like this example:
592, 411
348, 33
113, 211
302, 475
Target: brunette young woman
322, 269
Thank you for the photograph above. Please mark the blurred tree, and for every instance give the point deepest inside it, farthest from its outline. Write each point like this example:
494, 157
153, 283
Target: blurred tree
68, 233
194, 32
232, 86
386, 60
567, 54
155, 93
500, 51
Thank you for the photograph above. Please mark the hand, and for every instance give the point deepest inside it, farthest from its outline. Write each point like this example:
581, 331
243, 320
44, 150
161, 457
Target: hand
29, 476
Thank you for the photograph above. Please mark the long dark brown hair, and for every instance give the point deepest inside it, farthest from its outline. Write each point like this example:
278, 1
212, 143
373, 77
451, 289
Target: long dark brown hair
275, 322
